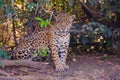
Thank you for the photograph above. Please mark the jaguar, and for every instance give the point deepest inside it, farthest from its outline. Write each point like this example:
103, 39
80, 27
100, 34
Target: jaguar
56, 37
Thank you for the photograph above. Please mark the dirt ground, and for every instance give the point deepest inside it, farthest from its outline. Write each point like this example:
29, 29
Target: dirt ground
82, 67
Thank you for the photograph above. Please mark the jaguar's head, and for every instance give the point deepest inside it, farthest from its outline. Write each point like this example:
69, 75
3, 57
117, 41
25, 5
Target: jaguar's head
64, 22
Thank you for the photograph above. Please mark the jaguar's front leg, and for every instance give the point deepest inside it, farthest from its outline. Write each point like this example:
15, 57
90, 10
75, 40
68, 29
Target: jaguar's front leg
63, 51
63, 56
56, 59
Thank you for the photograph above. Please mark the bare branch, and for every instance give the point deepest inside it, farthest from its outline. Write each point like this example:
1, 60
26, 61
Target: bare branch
90, 10
26, 63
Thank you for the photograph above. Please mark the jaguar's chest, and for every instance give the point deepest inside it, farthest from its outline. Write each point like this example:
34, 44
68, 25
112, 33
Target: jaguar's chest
62, 39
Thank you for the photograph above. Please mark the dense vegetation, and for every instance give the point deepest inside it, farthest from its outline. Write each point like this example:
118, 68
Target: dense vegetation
96, 27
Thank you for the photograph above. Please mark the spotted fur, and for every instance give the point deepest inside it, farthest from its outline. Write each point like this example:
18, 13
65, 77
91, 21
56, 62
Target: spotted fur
56, 37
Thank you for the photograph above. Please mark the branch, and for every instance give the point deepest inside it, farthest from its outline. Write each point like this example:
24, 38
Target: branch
4, 73
94, 12
90, 10
47, 11
29, 77
26, 63
14, 31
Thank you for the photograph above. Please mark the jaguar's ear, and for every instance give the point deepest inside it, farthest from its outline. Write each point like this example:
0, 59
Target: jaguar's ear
57, 17
72, 17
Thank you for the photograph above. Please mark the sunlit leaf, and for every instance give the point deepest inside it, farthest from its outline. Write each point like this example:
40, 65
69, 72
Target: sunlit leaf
70, 2
38, 19
1, 4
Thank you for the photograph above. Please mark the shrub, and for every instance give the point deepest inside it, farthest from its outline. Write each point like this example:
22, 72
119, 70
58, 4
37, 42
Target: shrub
96, 36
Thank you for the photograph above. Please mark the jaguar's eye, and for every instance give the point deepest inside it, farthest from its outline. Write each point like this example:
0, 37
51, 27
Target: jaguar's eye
58, 21
68, 21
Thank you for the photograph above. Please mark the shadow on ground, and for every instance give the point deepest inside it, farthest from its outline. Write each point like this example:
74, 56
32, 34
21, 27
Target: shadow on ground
83, 67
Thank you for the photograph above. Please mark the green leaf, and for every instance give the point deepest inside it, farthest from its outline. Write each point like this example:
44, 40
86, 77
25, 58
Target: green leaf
2, 64
119, 30
90, 28
105, 34
31, 5
93, 2
109, 32
70, 2
1, 4
115, 44
3, 54
102, 29
47, 21
43, 52
42, 24
96, 29
84, 41
108, 44
39, 19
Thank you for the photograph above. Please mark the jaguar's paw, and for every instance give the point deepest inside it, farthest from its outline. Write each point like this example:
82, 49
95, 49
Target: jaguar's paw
60, 68
66, 67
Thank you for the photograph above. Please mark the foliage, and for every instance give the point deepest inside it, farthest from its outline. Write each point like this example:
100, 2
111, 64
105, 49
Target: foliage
31, 5
111, 6
44, 2
3, 54
108, 8
92, 35
96, 36
69, 6
1, 4
41, 54
60, 5
107, 5
93, 2
43, 23
105, 57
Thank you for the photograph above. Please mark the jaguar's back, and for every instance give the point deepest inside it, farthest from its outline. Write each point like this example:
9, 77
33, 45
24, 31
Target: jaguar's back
56, 37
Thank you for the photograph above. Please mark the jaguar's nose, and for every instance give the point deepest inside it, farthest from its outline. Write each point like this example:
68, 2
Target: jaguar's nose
63, 30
